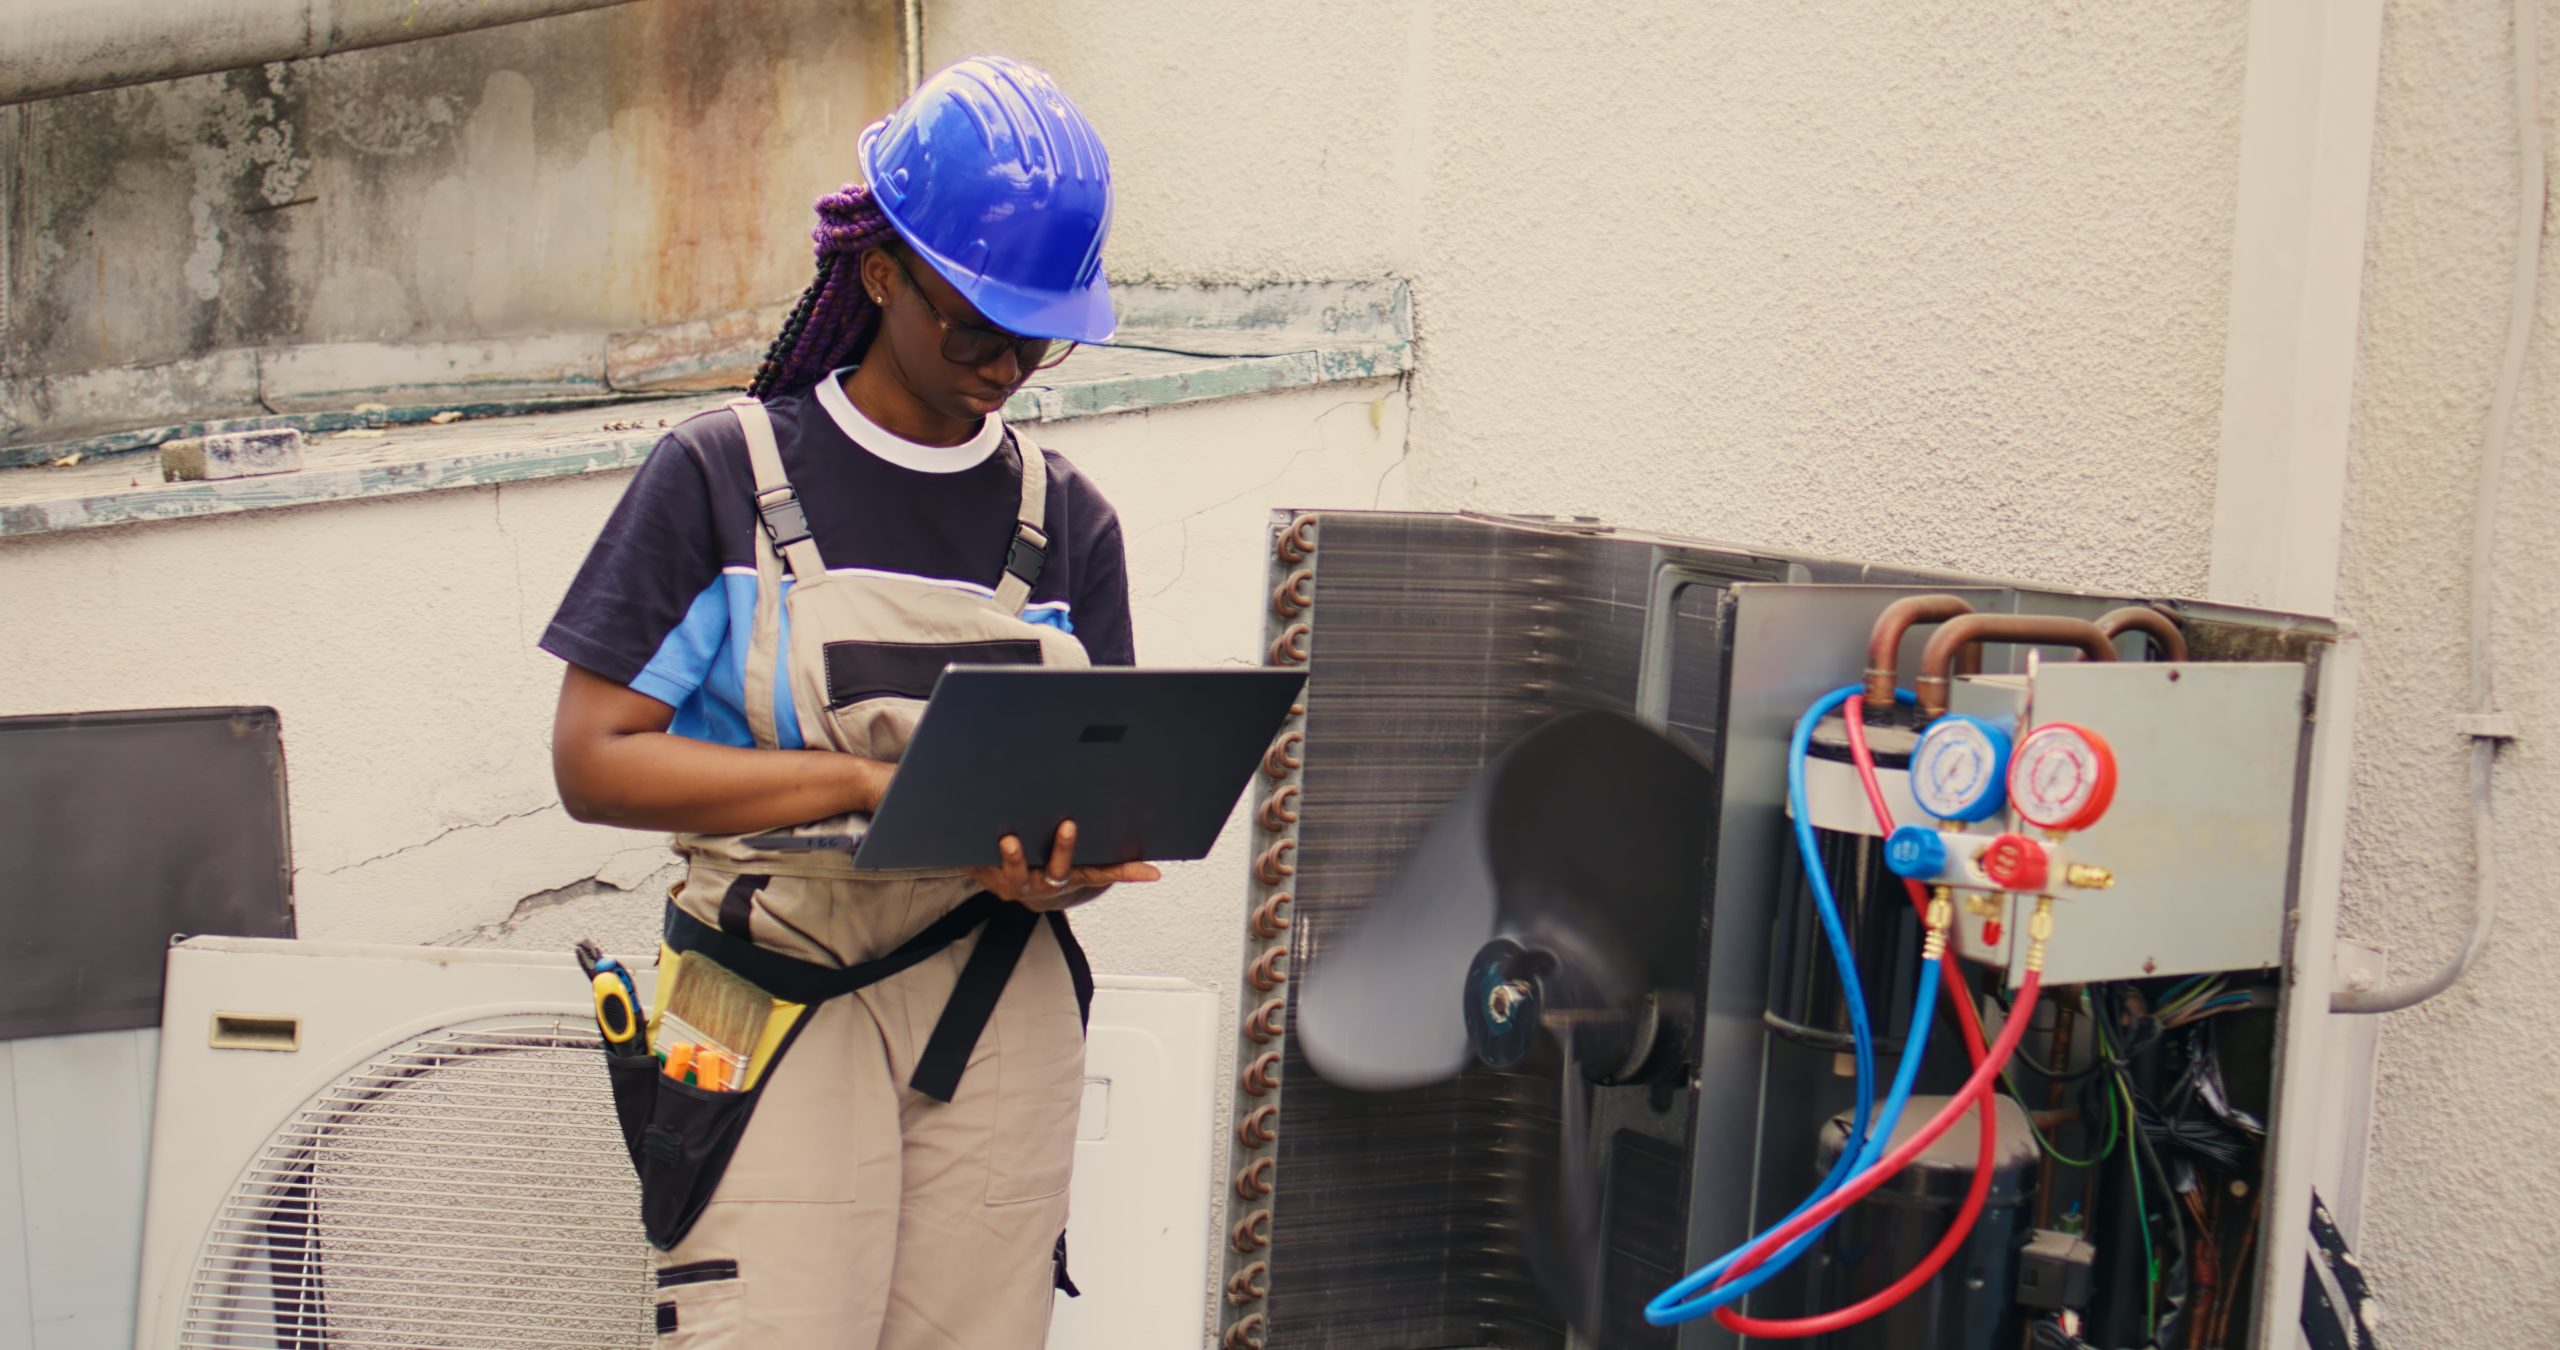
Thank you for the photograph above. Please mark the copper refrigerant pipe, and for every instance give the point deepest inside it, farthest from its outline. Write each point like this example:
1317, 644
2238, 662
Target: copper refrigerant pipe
2167, 643
1884, 641
1964, 631
1248, 1284
1268, 921
1274, 862
1263, 1025
1253, 1180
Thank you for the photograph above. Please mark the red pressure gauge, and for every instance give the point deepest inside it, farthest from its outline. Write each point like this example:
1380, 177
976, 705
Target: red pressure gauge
2062, 777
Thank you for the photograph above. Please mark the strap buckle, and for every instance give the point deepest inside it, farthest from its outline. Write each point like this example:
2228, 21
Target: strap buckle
1029, 555
784, 522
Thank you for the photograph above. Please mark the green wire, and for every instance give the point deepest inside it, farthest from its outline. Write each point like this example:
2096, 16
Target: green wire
2211, 988
2142, 1220
2038, 1131
2046, 1144
2141, 1210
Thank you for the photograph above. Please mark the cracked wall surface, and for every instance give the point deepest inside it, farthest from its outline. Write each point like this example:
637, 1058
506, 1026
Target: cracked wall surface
396, 639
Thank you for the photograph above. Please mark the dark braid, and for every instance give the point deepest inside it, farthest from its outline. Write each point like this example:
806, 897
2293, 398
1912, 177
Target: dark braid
788, 339
834, 317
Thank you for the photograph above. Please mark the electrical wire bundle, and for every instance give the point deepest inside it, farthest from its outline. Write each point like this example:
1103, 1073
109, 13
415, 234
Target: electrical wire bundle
2170, 1143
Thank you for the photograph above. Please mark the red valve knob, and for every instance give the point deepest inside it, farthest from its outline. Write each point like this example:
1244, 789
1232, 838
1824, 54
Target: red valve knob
2016, 863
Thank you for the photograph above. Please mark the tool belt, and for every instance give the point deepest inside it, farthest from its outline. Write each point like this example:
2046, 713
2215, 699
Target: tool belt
681, 1135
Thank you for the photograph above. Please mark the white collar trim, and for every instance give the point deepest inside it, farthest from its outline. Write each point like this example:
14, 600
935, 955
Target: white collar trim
897, 449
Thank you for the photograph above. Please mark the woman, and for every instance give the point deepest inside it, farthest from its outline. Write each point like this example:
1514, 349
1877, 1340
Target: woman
788, 576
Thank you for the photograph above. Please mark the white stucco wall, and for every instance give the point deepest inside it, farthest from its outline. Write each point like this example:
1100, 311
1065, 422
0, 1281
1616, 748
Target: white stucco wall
1933, 283
2466, 1126
1939, 284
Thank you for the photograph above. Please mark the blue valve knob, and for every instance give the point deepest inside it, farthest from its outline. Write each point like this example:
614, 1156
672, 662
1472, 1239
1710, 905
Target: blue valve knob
1916, 852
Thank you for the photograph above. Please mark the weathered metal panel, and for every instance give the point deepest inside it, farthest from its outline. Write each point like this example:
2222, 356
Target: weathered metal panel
56, 47
627, 168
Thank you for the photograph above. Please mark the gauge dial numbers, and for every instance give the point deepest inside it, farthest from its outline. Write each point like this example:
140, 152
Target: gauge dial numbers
2063, 777
1958, 768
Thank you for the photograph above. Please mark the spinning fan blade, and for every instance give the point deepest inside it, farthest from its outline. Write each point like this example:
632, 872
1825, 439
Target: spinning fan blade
1584, 844
1382, 1010
1560, 892
1561, 1203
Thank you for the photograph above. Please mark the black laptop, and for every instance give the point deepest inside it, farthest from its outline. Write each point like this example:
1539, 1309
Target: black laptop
1148, 763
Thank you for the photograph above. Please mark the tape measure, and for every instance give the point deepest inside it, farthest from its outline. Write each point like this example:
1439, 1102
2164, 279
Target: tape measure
615, 1015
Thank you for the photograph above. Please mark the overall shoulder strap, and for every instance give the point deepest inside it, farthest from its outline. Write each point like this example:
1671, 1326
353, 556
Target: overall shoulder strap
1029, 554
782, 532
784, 525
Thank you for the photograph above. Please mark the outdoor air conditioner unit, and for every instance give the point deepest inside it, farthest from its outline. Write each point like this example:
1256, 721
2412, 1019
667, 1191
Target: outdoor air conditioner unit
392, 1148
1376, 1220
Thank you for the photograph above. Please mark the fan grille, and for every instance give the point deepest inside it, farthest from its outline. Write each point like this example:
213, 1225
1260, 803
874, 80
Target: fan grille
467, 1188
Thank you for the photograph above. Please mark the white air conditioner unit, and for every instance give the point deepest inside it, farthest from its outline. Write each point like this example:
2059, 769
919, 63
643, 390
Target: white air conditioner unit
393, 1148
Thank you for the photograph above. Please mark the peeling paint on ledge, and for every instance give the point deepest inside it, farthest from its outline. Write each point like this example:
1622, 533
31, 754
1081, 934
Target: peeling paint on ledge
398, 460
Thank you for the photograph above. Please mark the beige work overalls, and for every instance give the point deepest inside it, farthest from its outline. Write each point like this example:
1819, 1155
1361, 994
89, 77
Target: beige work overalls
858, 1211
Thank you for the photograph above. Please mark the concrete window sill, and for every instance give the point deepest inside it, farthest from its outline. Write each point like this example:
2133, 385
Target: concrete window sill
1176, 346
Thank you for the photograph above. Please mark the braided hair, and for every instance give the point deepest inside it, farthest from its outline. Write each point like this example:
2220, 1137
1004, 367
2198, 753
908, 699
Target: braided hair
834, 318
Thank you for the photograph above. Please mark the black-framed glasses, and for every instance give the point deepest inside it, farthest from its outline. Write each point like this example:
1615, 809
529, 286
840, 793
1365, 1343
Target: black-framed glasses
970, 344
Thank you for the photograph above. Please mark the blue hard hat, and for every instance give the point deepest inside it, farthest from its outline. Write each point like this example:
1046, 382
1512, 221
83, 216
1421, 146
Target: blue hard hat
999, 183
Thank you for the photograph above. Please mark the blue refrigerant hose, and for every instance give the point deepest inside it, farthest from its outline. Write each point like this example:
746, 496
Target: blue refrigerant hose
1683, 1302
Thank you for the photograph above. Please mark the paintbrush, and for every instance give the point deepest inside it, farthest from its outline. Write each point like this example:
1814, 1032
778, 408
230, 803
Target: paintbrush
718, 1006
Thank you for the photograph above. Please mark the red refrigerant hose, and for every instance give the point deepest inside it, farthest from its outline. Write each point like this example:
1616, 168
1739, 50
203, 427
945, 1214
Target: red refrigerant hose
1853, 714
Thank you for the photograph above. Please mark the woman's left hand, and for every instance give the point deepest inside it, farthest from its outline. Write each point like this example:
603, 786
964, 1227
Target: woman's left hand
1057, 885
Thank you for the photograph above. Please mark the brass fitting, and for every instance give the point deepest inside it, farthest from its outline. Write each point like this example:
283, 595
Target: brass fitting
1942, 912
2039, 928
2088, 877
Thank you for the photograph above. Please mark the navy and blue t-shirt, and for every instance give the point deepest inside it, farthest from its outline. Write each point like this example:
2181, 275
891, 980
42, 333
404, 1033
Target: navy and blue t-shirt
665, 603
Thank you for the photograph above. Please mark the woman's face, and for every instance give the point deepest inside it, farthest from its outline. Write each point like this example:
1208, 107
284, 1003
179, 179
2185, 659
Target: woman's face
923, 318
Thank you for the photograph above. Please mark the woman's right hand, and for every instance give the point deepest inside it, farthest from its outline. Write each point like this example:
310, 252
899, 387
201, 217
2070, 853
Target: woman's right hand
1058, 885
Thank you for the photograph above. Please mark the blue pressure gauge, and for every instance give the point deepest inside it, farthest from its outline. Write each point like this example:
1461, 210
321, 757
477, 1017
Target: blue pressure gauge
1960, 768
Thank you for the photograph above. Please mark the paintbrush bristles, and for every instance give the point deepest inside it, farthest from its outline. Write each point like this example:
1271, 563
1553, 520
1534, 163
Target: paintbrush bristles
719, 1004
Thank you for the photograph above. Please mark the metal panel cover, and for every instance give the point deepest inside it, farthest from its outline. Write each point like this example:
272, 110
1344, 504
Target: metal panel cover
118, 831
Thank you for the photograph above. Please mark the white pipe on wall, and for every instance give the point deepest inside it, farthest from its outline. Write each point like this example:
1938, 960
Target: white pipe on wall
53, 47
2297, 281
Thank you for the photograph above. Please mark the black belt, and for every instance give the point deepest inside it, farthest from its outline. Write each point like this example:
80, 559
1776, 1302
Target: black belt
973, 999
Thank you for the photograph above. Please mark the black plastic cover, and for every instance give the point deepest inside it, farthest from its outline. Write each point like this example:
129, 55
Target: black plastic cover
119, 831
